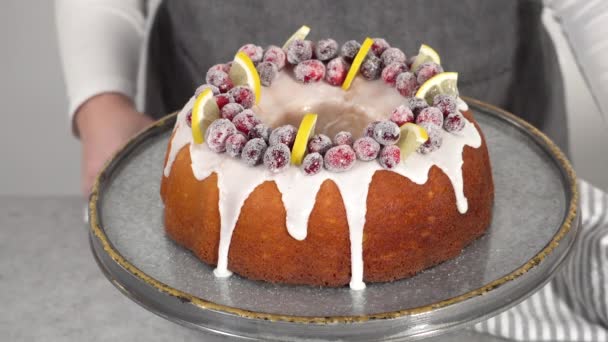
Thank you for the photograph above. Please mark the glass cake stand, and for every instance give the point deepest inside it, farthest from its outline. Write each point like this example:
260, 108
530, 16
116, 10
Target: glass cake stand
533, 228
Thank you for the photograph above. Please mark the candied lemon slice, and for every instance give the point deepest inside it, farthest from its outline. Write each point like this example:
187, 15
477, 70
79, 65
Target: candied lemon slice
243, 72
301, 33
412, 136
305, 131
204, 112
425, 54
354, 68
443, 83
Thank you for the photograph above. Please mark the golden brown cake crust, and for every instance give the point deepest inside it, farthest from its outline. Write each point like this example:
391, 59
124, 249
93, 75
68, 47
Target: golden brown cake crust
409, 227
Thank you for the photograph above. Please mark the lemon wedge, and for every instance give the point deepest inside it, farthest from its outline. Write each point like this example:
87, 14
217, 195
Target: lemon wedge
301, 33
243, 72
359, 57
204, 112
412, 136
443, 83
305, 131
425, 54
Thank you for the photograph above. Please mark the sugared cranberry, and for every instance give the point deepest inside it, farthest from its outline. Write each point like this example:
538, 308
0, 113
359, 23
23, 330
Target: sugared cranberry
215, 90
435, 138
189, 118
389, 157
337, 69
217, 133
268, 71
406, 84
343, 138
308, 71
326, 49
446, 103
225, 68
277, 157
431, 115
235, 144
312, 163
390, 72
230, 110
371, 67
319, 143
379, 46
243, 95
299, 50
402, 115
276, 55
260, 131
253, 152
340, 158
253, 51
349, 50
393, 55
416, 104
366, 148
245, 121
427, 70
283, 135
387, 133
223, 99
453, 122
369, 129
219, 79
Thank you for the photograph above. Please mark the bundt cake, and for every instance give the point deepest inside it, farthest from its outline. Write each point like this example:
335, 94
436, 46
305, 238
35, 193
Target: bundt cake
254, 184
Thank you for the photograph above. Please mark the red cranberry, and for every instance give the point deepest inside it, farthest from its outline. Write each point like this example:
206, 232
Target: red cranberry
340, 158
219, 79
245, 121
243, 95
393, 55
371, 67
253, 152
260, 131
319, 143
326, 49
343, 138
435, 138
312, 163
427, 70
366, 148
189, 119
277, 157
215, 90
299, 50
217, 133
349, 50
223, 99
276, 55
387, 133
406, 84
454, 123
402, 115
253, 51
283, 135
218, 67
230, 110
337, 69
379, 46
446, 103
431, 115
308, 71
235, 144
390, 157
268, 71
391, 71
416, 104
369, 130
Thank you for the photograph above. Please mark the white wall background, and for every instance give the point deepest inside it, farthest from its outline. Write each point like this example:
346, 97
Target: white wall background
39, 157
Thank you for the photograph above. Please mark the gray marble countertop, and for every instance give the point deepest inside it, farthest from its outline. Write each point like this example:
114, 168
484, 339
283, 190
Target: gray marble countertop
52, 290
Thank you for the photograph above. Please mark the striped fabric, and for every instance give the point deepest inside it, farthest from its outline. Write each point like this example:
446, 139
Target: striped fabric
574, 305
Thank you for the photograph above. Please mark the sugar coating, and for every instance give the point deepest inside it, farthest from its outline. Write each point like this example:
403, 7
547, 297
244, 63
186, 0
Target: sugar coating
387, 133
326, 49
245, 121
216, 134
379, 46
431, 115
299, 50
260, 131
340, 158
268, 71
283, 135
435, 138
366, 148
230, 110
393, 55
309, 71
390, 157
276, 55
219, 79
427, 70
369, 129
406, 84
336, 71
312, 163
253, 51
223, 99
215, 90
343, 138
277, 157
390, 72
235, 144
218, 67
402, 115
253, 151
416, 104
454, 122
243, 95
371, 67
349, 50
446, 103
319, 143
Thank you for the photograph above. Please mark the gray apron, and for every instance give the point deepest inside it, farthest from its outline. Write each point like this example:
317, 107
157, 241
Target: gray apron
500, 48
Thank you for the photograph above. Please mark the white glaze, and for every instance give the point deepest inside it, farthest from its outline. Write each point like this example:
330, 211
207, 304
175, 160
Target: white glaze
338, 110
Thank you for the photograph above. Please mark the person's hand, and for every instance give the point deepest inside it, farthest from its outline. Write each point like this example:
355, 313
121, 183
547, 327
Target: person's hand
105, 122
